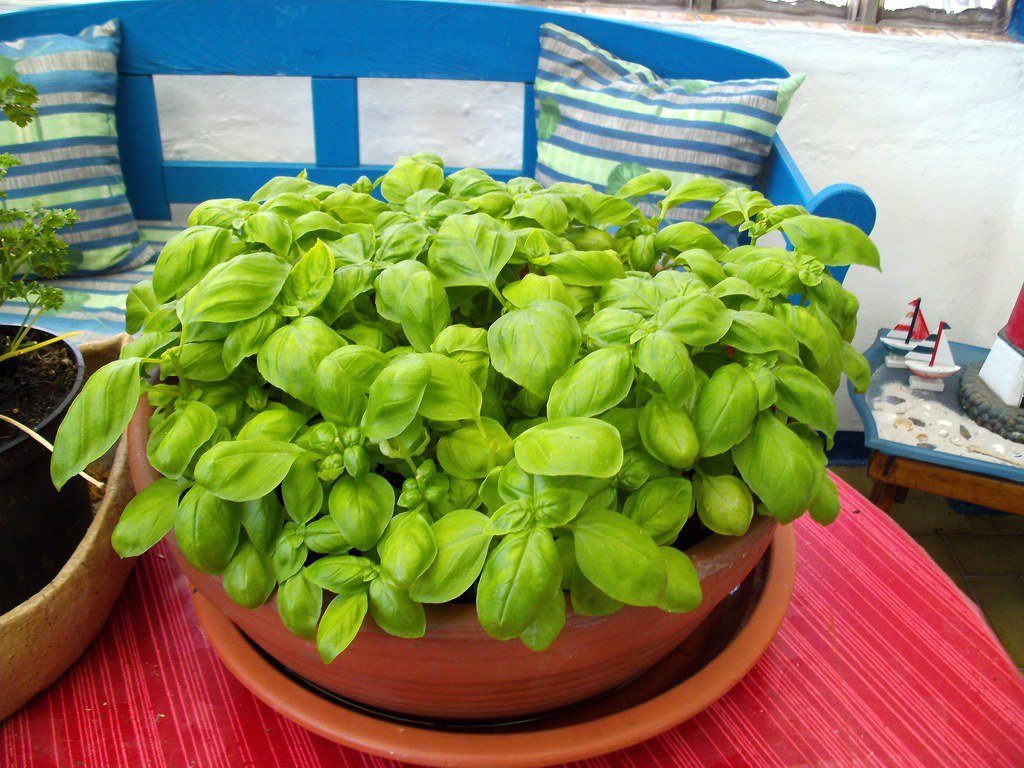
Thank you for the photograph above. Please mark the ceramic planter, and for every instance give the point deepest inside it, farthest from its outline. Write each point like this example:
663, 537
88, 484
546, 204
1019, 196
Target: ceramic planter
456, 671
42, 636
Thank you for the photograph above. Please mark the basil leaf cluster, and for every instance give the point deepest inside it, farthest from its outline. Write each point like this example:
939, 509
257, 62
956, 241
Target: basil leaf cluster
471, 389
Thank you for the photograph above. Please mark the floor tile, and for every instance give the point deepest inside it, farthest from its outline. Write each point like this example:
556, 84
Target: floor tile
922, 514
936, 548
987, 555
855, 476
1002, 600
1008, 523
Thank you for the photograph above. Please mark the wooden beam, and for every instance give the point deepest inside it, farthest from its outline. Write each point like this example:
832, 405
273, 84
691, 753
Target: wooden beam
943, 481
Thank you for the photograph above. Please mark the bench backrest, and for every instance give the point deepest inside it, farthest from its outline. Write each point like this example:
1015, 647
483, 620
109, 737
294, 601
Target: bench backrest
335, 42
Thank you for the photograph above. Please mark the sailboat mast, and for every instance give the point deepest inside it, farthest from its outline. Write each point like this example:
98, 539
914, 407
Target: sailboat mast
913, 320
938, 340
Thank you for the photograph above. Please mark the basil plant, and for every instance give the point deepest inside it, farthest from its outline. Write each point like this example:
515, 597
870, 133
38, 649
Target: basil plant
474, 390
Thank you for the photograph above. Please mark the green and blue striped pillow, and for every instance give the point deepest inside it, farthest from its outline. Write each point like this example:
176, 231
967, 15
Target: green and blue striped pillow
69, 151
602, 121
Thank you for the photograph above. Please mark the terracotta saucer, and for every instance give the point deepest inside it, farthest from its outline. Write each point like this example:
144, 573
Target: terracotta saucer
697, 673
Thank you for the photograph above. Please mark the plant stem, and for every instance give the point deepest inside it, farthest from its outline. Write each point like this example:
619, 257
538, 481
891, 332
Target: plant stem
40, 345
46, 444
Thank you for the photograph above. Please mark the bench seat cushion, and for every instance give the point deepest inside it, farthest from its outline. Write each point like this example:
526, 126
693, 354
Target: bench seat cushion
95, 304
603, 121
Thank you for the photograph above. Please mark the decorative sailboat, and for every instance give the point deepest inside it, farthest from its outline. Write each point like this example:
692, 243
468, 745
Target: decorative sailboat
906, 335
932, 361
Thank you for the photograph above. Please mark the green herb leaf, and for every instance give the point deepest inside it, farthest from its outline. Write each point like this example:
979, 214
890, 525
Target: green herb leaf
598, 382
290, 357
242, 470
207, 529
340, 624
249, 577
778, 467
535, 345
299, 602
604, 541
362, 508
661, 507
395, 612
726, 409
461, 549
521, 572
724, 504
147, 518
470, 249
570, 446
186, 258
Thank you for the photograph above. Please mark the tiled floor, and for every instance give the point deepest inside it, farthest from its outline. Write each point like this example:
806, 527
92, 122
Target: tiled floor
982, 553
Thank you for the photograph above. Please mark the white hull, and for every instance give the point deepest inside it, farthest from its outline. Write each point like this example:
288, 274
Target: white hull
900, 346
926, 371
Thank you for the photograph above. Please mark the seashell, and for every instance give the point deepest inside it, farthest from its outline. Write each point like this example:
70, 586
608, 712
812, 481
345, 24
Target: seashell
956, 440
964, 432
927, 446
922, 436
943, 432
906, 424
917, 422
944, 423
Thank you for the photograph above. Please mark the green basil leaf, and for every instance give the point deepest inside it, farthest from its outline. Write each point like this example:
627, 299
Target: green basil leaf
395, 612
148, 345
140, 302
349, 283
570, 446
268, 229
668, 434
803, 396
242, 470
310, 280
726, 410
291, 356
855, 366
409, 294
299, 602
461, 550
249, 577
612, 326
262, 519
698, 319
273, 424
96, 418
342, 574
407, 549
824, 505
340, 624
470, 249
661, 507
598, 382
172, 446
778, 467
236, 290
724, 504
555, 507
646, 183
688, 236
539, 288
450, 394
830, 241
759, 333
697, 189
207, 529
513, 517
202, 361
352, 207
289, 554
186, 258
409, 176
587, 599
322, 536
682, 587
147, 518
469, 453
521, 572
301, 490
604, 540
534, 346
315, 224
395, 397
666, 360
246, 338
547, 624
546, 210
362, 508
703, 265
586, 267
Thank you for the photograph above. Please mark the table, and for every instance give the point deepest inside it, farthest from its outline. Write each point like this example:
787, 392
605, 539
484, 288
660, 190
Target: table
934, 465
880, 662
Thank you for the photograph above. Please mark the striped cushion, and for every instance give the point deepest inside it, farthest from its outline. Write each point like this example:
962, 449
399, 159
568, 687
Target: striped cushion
69, 152
95, 304
602, 121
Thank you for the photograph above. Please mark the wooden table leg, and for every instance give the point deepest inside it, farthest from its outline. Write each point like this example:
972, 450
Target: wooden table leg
884, 495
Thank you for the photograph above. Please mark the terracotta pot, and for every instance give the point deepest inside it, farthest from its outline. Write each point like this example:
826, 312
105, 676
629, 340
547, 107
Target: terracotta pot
43, 636
456, 671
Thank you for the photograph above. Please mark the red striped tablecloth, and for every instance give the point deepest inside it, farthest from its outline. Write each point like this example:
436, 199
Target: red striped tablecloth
881, 661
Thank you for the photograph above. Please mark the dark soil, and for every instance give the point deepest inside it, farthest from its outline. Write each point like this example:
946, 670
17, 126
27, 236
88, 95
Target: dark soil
34, 384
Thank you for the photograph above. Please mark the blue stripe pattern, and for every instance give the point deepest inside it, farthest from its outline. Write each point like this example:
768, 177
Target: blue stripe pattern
601, 120
69, 152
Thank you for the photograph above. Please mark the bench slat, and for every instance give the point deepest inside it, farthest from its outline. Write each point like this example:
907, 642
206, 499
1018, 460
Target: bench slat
336, 121
138, 130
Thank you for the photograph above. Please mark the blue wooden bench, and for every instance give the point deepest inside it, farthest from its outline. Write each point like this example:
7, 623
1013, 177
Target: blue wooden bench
335, 42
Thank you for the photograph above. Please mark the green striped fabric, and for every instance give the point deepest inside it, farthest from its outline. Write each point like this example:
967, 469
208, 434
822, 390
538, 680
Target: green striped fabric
602, 121
95, 304
68, 153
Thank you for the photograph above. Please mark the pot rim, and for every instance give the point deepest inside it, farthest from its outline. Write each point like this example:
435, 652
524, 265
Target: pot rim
94, 534
62, 407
